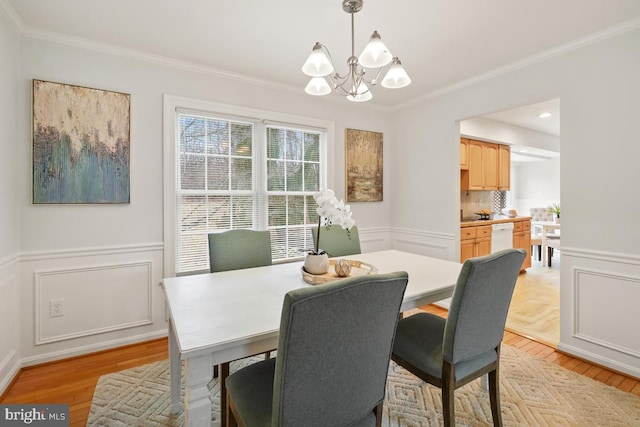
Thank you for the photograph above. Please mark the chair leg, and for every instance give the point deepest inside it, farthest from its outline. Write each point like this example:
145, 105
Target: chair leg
549, 255
378, 412
267, 355
448, 400
539, 252
494, 397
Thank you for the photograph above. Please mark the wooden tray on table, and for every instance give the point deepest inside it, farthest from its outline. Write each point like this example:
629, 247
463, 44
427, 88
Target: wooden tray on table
358, 268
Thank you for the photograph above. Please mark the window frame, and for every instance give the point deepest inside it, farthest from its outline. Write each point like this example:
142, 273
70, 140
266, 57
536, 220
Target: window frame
173, 105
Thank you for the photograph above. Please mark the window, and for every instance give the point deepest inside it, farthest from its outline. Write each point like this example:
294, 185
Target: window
242, 172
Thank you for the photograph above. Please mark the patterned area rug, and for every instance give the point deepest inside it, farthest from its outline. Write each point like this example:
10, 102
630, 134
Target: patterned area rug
533, 393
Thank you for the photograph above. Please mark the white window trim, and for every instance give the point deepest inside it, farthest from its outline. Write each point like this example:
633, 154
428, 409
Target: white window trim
171, 104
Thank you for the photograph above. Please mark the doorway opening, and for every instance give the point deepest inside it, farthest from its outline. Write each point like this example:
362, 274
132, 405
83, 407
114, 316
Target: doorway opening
534, 141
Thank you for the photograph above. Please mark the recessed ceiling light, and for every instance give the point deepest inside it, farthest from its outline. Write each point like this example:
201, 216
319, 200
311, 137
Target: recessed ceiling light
544, 115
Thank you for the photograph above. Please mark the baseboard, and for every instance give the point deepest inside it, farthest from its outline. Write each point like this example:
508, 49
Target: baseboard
606, 363
79, 351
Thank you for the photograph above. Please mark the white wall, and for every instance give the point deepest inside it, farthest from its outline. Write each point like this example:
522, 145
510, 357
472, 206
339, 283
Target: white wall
106, 261
9, 222
598, 86
537, 184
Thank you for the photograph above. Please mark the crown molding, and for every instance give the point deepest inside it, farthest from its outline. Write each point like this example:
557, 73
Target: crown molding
169, 62
590, 39
13, 16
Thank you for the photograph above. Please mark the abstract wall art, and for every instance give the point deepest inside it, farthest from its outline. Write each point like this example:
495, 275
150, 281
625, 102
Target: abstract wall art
363, 154
81, 145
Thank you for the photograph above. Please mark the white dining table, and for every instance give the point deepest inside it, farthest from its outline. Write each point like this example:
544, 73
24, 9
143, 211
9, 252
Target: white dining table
546, 227
220, 317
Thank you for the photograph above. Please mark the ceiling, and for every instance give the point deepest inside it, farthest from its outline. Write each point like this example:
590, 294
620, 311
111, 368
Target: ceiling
527, 117
441, 43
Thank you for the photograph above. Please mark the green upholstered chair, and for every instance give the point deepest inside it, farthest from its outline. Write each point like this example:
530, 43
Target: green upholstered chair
333, 357
238, 249
335, 241
451, 352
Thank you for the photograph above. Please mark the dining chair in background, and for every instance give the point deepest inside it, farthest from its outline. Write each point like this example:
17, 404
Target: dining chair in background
551, 245
236, 250
451, 352
335, 240
333, 357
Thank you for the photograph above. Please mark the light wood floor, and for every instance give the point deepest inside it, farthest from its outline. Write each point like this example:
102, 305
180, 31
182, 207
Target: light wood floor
535, 306
72, 381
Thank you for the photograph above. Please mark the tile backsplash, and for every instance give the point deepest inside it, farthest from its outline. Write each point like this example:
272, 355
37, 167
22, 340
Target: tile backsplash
473, 201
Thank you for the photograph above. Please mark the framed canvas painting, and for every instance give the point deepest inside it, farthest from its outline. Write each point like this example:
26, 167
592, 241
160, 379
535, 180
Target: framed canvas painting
363, 161
80, 145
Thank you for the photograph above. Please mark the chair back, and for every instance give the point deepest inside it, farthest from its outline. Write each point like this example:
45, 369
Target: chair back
540, 214
334, 349
238, 249
335, 240
479, 306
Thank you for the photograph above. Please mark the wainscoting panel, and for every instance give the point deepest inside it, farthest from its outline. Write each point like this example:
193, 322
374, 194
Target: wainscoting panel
592, 306
72, 303
374, 239
436, 245
599, 295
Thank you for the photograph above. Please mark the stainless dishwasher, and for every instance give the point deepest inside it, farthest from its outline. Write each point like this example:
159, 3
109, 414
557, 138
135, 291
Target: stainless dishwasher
501, 236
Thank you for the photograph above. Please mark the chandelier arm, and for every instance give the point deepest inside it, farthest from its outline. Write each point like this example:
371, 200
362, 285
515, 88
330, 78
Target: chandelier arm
375, 80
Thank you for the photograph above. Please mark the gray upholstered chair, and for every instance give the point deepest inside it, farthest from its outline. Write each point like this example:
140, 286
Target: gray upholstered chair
335, 240
333, 357
236, 250
451, 352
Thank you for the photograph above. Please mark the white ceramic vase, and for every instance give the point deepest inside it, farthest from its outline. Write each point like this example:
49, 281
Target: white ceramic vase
316, 264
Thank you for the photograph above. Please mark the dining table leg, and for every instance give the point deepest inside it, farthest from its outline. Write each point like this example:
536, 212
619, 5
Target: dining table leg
199, 372
175, 368
224, 373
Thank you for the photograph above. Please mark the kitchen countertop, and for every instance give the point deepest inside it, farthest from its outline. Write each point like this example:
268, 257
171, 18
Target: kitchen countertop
499, 220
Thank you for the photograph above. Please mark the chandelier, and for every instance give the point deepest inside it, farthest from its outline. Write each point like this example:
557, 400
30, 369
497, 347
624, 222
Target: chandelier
353, 84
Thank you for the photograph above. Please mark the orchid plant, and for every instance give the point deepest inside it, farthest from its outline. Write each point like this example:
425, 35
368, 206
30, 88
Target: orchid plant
330, 211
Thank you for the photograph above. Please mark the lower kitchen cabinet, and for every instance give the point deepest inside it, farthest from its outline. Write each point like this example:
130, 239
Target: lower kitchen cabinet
475, 241
522, 240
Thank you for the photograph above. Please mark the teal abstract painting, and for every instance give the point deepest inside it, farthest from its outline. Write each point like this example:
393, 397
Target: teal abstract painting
80, 144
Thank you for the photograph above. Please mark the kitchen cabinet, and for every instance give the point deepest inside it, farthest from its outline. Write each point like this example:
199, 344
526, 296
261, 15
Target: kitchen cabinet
504, 167
464, 154
522, 240
475, 241
483, 164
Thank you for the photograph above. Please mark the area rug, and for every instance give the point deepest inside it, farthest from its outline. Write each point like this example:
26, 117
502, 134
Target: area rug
533, 393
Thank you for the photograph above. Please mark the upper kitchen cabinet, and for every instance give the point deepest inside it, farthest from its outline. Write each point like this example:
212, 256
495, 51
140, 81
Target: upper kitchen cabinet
464, 154
488, 166
504, 167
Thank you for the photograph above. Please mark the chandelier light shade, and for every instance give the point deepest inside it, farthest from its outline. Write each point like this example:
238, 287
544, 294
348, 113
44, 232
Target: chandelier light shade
318, 86
353, 85
318, 64
396, 77
375, 53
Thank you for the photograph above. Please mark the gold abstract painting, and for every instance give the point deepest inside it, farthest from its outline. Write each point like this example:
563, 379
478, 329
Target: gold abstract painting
363, 151
80, 144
